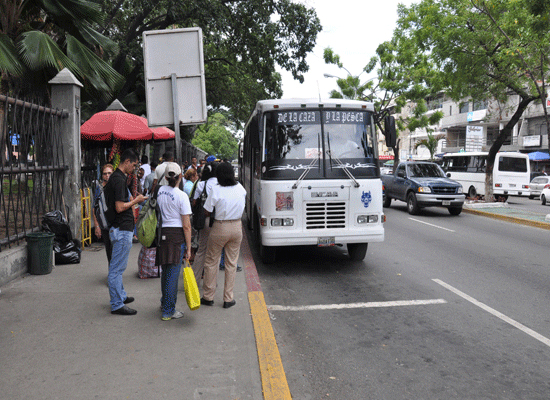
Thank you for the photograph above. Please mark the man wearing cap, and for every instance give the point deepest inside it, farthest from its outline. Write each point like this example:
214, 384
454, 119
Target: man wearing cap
210, 158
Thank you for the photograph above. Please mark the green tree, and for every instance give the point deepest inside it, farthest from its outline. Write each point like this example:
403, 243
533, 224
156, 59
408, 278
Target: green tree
38, 38
392, 89
430, 143
216, 138
481, 50
244, 40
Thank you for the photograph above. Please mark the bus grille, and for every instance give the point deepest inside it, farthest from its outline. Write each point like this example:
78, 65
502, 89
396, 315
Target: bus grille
325, 215
443, 190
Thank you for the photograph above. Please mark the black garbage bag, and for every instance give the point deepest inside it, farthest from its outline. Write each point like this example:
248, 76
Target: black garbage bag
63, 247
66, 249
71, 256
56, 223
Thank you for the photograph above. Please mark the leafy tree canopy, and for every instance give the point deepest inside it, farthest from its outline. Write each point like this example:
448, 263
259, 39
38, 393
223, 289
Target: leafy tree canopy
476, 49
243, 42
39, 38
216, 138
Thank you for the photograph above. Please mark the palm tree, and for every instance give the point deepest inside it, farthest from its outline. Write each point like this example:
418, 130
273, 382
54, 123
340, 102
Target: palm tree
38, 38
430, 143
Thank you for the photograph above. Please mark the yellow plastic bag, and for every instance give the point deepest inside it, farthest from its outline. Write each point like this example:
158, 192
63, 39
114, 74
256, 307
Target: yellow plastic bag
192, 294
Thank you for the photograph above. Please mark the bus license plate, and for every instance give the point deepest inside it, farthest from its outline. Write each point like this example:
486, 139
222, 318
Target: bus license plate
446, 202
325, 241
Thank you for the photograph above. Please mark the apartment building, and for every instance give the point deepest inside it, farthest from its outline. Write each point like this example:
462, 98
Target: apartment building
474, 126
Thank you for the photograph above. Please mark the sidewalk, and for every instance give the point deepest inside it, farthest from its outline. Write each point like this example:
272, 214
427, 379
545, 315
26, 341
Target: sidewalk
505, 212
59, 340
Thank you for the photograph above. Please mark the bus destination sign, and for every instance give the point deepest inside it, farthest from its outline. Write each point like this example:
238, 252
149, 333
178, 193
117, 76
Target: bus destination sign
344, 117
298, 117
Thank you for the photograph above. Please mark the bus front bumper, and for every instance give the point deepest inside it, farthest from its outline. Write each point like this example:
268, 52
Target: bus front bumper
301, 238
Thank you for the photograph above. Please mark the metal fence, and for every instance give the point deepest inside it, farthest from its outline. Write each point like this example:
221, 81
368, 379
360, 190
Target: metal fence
32, 167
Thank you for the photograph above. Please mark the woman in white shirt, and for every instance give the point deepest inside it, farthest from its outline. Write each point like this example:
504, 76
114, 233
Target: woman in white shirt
208, 181
176, 238
228, 199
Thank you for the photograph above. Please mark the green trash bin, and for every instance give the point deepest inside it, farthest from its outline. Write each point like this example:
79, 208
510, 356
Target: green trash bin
40, 252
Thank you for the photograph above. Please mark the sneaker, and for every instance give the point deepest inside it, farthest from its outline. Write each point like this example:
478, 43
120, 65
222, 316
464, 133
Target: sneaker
176, 315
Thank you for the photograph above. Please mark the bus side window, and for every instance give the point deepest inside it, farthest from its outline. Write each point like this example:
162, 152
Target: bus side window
257, 163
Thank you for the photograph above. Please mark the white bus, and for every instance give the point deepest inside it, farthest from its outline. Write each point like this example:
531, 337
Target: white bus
310, 169
511, 172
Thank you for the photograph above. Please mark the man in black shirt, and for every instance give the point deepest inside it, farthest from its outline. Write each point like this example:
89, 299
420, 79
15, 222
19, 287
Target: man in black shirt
122, 230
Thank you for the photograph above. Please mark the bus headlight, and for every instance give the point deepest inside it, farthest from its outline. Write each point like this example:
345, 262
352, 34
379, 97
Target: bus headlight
282, 221
367, 219
424, 189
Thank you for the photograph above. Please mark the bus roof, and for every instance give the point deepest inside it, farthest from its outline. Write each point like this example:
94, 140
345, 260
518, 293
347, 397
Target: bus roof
484, 153
266, 105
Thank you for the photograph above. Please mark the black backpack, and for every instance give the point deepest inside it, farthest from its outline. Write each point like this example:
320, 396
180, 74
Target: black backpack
102, 213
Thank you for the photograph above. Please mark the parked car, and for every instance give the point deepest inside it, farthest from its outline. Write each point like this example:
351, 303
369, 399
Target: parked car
545, 195
386, 170
422, 184
537, 184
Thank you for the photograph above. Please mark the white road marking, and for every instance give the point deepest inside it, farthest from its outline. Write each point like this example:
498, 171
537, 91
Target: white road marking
435, 226
373, 304
497, 314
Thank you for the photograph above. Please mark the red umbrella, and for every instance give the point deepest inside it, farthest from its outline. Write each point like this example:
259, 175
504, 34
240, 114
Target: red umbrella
106, 125
163, 133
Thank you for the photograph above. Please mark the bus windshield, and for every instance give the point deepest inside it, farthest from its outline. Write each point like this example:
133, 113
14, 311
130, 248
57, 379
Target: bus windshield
308, 138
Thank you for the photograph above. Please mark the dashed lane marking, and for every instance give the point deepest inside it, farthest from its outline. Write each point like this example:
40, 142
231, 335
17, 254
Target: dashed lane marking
373, 304
435, 226
496, 313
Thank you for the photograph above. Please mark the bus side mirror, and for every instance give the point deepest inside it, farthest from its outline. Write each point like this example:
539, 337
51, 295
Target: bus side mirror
389, 131
448, 174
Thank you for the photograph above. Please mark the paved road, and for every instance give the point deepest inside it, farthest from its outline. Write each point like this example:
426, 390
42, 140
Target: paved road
447, 307
531, 205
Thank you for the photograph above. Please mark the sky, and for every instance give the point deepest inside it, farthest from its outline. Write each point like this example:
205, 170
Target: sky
353, 29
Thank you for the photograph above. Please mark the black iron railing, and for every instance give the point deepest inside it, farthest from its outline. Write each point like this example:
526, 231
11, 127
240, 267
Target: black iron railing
32, 167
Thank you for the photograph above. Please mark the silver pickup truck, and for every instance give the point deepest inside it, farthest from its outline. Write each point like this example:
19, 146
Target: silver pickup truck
422, 184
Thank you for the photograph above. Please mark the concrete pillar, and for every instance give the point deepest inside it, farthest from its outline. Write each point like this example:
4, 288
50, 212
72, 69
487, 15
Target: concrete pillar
66, 96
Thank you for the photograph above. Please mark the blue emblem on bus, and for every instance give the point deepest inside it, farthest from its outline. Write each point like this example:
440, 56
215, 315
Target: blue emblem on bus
366, 198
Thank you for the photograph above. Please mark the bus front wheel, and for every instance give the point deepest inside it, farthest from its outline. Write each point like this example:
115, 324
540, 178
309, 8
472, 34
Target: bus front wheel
472, 192
357, 251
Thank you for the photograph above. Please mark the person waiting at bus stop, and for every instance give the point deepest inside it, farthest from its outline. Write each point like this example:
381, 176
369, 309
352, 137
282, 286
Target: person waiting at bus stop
176, 231
103, 234
207, 182
228, 198
121, 231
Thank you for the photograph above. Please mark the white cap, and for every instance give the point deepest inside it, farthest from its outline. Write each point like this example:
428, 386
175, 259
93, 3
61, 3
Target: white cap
172, 167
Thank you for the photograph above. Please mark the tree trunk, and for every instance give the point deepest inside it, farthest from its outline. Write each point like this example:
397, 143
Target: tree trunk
502, 136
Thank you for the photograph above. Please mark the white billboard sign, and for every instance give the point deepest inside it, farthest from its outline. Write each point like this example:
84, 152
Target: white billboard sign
474, 138
176, 52
531, 141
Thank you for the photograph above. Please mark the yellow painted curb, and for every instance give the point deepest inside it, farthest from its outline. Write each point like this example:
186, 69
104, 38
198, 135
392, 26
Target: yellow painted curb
274, 384
523, 221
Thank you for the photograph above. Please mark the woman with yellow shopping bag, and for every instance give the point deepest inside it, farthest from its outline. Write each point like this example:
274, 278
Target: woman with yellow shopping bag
176, 230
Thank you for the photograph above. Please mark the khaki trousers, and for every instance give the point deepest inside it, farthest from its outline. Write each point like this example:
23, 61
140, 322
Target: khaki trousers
226, 235
198, 263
